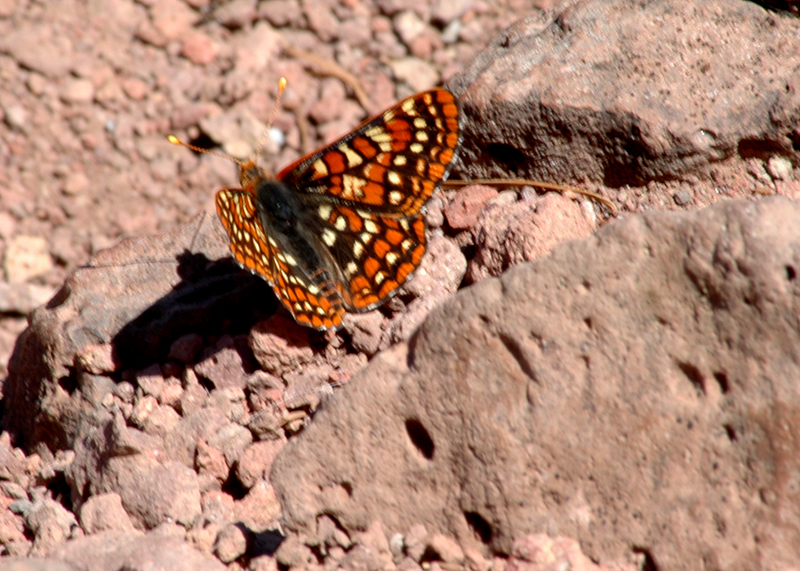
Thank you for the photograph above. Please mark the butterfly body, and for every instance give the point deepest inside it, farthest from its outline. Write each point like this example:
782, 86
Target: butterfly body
343, 228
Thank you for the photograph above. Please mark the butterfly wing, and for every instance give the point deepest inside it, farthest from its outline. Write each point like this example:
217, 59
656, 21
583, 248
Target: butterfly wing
307, 292
364, 195
249, 244
392, 164
371, 255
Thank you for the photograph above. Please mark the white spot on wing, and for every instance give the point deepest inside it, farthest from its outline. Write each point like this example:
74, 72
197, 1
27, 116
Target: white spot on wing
353, 158
329, 237
370, 226
321, 167
352, 187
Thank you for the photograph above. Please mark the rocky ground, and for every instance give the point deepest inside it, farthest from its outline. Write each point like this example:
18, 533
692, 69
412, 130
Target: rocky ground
90, 92
155, 391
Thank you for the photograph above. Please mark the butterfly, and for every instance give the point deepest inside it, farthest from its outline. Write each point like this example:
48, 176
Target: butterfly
343, 228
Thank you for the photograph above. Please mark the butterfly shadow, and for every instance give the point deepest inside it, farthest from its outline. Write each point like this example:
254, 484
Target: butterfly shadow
214, 297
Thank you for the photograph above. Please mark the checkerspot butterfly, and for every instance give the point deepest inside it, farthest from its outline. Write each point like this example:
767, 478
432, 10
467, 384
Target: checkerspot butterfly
342, 228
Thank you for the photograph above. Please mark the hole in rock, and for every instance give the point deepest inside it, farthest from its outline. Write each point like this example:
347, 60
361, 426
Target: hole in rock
480, 526
69, 383
648, 563
694, 375
420, 438
510, 157
348, 488
791, 273
722, 381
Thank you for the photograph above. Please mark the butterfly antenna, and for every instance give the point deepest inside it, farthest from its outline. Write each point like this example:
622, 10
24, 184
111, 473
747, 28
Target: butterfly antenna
176, 141
263, 139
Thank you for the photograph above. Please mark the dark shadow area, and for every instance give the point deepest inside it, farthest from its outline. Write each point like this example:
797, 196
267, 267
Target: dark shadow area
264, 543
481, 527
511, 158
648, 563
420, 438
212, 298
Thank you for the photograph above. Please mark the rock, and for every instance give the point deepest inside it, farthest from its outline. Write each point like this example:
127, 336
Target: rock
128, 297
417, 73
50, 523
211, 461
185, 348
236, 14
280, 345
231, 543
167, 492
172, 19
16, 117
97, 359
465, 208
182, 441
35, 564
256, 461
542, 553
199, 49
448, 550
615, 391
523, 231
151, 380
77, 91
621, 120
103, 512
445, 11
39, 48
223, 365
26, 257
112, 550
22, 298
259, 509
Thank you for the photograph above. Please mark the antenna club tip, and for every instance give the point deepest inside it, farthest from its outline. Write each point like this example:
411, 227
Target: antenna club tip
174, 140
282, 83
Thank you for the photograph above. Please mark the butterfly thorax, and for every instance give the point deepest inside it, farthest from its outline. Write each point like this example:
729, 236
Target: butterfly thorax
278, 204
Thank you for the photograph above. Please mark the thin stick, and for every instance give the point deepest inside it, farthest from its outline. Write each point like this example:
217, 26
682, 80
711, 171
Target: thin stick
523, 182
328, 67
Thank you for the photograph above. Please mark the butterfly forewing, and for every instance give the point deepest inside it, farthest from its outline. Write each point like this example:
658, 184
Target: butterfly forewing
392, 163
